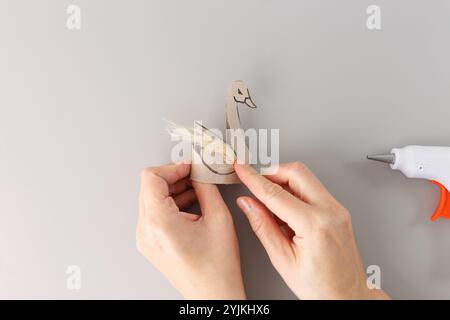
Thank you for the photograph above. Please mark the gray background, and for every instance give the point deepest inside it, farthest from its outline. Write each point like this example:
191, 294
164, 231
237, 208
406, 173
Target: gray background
81, 114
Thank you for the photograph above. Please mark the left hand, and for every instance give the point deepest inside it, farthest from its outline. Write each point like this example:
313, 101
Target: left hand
199, 254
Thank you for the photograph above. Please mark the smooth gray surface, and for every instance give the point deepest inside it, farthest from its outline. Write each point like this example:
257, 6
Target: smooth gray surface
81, 113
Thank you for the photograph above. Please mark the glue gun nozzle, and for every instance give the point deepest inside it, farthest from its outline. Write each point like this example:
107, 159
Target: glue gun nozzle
386, 158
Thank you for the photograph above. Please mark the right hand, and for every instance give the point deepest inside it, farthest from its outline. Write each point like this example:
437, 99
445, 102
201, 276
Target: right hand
306, 232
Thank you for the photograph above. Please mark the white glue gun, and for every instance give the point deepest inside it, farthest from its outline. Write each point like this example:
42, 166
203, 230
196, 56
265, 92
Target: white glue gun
431, 163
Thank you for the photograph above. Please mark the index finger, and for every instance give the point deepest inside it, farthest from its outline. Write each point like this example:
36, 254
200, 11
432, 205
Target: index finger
275, 198
301, 181
155, 181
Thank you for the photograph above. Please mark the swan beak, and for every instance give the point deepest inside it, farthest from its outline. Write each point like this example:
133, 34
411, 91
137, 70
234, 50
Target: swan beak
248, 101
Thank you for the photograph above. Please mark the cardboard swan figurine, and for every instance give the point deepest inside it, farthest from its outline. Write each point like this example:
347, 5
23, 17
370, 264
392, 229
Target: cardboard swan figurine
212, 157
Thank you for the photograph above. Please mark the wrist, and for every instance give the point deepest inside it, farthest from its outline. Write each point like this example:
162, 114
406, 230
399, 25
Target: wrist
218, 295
377, 294
222, 290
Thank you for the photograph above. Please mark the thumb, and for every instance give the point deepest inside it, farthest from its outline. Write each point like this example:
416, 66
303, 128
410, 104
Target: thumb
209, 199
277, 246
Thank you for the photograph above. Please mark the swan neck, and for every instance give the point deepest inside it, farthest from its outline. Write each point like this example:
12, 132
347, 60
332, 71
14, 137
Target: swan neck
232, 114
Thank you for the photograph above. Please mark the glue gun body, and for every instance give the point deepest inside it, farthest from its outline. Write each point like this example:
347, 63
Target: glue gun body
430, 163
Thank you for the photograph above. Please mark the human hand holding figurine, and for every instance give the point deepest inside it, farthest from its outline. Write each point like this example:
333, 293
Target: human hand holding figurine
199, 254
314, 250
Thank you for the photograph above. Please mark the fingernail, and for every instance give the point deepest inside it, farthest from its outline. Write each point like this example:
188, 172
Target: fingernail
241, 165
244, 204
185, 161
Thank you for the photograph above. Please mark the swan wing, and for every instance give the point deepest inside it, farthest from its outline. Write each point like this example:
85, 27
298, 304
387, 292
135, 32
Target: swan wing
203, 139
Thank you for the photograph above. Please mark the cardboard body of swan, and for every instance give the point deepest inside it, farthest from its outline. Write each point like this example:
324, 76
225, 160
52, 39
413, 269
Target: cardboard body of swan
212, 157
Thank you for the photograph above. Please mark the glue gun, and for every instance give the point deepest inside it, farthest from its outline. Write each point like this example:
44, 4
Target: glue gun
431, 163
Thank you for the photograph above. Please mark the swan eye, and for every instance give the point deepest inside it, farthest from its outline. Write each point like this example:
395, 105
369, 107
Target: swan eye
239, 91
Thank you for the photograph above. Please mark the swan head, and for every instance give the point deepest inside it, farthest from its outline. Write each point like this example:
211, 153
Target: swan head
239, 91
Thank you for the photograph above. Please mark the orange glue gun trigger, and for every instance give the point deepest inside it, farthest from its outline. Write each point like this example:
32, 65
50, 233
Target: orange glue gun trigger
443, 208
